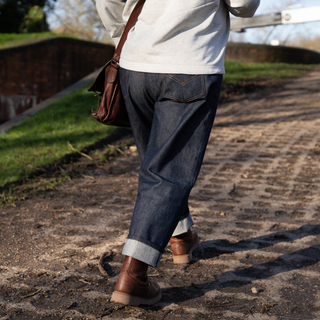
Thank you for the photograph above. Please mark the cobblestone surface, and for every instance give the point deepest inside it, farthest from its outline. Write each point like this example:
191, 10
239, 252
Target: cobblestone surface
255, 205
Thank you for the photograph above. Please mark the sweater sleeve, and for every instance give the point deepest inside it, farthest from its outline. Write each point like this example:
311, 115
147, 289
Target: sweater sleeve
114, 15
243, 8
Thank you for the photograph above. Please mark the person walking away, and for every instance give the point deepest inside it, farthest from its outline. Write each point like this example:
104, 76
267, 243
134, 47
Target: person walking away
171, 70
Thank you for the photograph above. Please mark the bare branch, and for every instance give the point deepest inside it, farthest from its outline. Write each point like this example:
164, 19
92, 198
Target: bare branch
79, 18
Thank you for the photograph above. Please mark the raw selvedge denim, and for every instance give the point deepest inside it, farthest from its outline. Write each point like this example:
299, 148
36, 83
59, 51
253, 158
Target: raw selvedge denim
171, 117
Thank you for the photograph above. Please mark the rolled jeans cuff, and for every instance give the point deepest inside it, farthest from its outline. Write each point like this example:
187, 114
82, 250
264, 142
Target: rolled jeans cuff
142, 252
147, 254
183, 226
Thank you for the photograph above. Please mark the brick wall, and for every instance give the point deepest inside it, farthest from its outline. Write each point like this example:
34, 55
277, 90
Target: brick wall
34, 72
264, 53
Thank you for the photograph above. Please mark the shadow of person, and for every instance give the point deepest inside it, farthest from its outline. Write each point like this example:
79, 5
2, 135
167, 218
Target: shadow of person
285, 263
213, 248
241, 277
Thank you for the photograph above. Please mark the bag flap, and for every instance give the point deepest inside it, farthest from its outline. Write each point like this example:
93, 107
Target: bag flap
98, 85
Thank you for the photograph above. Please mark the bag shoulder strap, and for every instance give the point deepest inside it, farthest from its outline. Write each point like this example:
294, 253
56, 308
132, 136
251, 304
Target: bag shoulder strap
131, 22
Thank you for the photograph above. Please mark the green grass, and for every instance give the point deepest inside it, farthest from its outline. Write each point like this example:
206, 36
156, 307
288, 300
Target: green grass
67, 124
49, 135
14, 39
237, 71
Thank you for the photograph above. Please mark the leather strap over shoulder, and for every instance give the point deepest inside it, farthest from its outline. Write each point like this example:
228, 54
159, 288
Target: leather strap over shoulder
131, 22
98, 85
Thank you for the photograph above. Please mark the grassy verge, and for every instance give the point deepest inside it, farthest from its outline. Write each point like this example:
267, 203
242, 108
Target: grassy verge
14, 39
66, 126
61, 128
238, 71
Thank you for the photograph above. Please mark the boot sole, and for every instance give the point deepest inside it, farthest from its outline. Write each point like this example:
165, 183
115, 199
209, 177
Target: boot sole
186, 258
128, 299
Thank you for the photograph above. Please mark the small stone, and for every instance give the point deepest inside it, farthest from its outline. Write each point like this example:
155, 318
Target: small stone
254, 290
133, 148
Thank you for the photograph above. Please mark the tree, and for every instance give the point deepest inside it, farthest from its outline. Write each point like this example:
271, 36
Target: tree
16, 15
79, 18
10, 16
312, 43
34, 21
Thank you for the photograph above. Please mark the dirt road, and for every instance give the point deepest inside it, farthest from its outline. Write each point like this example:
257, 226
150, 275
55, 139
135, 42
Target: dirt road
255, 205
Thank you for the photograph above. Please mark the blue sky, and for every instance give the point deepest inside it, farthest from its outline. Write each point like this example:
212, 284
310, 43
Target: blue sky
266, 5
311, 29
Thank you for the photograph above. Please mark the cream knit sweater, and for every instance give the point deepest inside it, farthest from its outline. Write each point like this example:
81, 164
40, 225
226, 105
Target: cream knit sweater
174, 36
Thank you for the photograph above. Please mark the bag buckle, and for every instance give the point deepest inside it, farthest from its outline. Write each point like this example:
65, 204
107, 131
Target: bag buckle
115, 63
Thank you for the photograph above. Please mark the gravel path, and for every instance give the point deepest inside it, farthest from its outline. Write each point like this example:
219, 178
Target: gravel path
255, 205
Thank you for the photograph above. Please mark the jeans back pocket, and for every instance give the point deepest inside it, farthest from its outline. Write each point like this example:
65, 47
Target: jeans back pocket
183, 87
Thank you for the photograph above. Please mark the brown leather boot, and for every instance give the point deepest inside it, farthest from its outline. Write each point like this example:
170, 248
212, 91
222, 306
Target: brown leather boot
183, 245
133, 286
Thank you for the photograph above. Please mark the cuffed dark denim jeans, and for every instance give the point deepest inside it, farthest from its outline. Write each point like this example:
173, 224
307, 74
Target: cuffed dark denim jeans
171, 117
